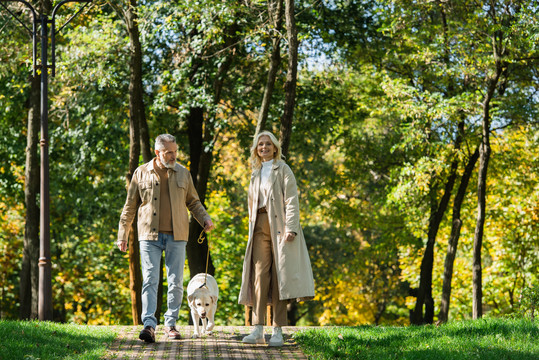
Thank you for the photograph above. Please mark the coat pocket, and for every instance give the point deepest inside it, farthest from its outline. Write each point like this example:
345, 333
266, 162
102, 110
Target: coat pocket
181, 183
145, 185
145, 189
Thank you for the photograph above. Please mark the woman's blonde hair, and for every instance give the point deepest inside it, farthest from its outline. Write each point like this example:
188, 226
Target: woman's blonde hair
256, 161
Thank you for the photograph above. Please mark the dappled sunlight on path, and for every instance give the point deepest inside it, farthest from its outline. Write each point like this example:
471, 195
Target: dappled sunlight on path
225, 343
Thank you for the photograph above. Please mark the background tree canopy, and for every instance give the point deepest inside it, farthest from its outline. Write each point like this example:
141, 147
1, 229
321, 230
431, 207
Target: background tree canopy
394, 100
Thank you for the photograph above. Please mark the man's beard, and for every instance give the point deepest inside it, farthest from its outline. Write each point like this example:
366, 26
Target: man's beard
169, 165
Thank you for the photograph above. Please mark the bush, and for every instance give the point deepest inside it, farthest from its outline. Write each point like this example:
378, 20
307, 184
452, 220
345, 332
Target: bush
529, 298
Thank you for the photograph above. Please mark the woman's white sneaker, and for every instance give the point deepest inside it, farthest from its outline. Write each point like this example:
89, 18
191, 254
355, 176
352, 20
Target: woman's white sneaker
276, 337
256, 336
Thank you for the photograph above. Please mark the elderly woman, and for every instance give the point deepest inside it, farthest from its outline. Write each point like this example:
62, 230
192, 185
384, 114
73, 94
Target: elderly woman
276, 267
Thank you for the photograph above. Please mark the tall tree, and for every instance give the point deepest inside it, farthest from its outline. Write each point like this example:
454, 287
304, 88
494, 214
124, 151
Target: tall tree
424, 292
484, 156
456, 225
444, 22
275, 15
202, 137
138, 137
503, 28
431, 131
136, 113
291, 76
198, 48
206, 43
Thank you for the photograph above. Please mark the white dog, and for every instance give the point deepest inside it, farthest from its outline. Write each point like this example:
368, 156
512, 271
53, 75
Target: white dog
202, 299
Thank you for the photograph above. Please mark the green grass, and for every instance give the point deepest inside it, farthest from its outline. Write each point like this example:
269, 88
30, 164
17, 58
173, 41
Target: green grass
495, 339
32, 340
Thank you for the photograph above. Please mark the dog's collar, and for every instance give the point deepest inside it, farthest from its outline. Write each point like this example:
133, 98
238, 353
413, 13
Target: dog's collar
203, 285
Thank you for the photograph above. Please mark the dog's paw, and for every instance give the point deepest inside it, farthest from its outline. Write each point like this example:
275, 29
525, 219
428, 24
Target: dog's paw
195, 336
209, 332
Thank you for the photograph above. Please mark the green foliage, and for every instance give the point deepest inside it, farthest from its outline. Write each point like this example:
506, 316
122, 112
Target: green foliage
227, 206
227, 245
13, 95
186, 45
373, 139
481, 339
47, 340
11, 231
342, 170
85, 187
529, 300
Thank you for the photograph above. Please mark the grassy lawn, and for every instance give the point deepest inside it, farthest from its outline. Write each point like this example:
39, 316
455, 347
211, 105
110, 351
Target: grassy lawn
496, 339
493, 339
32, 340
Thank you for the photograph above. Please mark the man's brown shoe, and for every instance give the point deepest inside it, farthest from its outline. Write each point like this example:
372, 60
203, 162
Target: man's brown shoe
147, 334
172, 333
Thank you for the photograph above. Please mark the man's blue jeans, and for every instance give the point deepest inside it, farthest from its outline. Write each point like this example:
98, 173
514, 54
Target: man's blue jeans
150, 260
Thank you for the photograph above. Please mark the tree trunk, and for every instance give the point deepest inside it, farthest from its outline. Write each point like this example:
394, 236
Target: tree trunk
135, 275
291, 76
276, 17
29, 278
484, 157
290, 97
200, 164
381, 307
136, 118
145, 146
197, 253
201, 139
194, 130
292, 314
454, 237
424, 294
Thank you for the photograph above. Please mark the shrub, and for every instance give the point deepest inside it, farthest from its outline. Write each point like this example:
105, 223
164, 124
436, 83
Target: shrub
529, 299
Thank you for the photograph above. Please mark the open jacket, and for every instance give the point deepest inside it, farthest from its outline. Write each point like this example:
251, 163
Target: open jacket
294, 273
144, 191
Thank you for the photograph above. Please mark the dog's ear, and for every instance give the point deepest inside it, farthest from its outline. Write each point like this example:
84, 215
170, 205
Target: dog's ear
214, 299
190, 299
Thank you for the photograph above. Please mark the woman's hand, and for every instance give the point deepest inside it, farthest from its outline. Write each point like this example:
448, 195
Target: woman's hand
290, 236
208, 226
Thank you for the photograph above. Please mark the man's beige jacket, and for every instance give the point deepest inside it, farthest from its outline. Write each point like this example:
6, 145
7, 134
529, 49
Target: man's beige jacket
143, 194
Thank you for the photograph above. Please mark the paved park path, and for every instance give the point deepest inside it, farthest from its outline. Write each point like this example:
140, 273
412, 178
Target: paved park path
225, 343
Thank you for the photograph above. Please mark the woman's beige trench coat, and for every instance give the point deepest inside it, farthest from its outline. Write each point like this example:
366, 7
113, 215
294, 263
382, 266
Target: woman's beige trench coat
294, 273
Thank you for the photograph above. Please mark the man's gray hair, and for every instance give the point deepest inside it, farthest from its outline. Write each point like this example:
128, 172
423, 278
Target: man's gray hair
162, 139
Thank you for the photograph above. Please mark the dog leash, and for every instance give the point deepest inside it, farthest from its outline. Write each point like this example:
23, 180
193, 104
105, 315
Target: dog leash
200, 240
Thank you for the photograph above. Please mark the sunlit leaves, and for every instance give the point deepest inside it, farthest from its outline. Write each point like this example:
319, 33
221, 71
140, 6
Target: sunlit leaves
372, 143
11, 235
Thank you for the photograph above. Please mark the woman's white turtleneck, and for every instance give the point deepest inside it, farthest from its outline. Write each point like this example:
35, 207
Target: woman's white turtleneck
265, 172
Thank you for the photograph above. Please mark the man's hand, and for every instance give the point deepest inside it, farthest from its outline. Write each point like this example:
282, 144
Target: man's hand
208, 226
122, 245
290, 236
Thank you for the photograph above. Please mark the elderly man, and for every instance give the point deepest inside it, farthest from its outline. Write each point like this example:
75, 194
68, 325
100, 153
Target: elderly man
162, 191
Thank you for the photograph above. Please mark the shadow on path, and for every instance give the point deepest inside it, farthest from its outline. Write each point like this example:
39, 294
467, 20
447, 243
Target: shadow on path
225, 343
